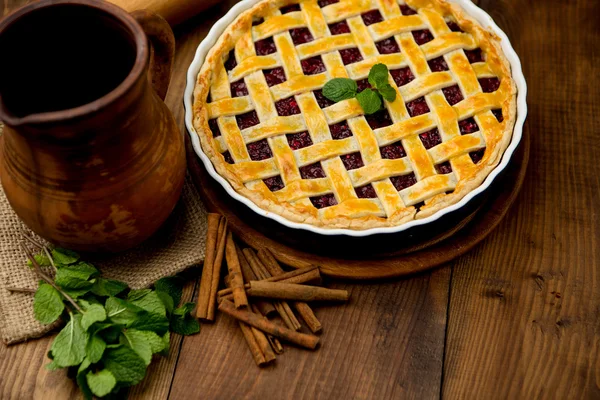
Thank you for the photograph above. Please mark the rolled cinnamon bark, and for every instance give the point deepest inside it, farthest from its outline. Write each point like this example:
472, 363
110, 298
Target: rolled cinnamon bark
216, 272
275, 344
255, 320
212, 237
290, 291
265, 307
257, 354
235, 274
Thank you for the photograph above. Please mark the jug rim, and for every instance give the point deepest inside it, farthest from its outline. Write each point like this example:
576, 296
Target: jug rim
141, 56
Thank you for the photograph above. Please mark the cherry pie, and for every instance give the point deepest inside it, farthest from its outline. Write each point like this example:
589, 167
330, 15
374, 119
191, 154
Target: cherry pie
268, 129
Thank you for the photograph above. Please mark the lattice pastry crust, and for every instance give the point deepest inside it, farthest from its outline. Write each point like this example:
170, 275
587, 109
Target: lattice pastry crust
267, 128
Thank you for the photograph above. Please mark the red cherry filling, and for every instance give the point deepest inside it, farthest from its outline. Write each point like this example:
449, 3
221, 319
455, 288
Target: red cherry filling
247, 120
363, 84
339, 131
406, 10
476, 156
438, 64
431, 138
339, 28
380, 119
326, 200
365, 192
301, 35
474, 55
417, 107
287, 107
290, 8
489, 85
228, 158
312, 171
453, 94
393, 151
323, 3
274, 183
498, 114
299, 140
422, 36
453, 26
372, 17
274, 76
402, 76
350, 56
214, 127
387, 46
231, 62
444, 168
352, 161
259, 150
322, 101
239, 89
265, 46
403, 181
467, 126
313, 66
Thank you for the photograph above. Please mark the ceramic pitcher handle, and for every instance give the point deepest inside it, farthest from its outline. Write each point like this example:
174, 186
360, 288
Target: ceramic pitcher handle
163, 42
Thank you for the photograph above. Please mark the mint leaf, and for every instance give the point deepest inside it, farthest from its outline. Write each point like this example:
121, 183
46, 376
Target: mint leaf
121, 312
339, 89
388, 92
81, 270
147, 300
184, 323
166, 300
95, 348
173, 286
64, 256
144, 343
74, 279
69, 346
108, 287
52, 366
83, 385
47, 304
101, 383
166, 344
41, 259
369, 101
93, 313
125, 364
378, 76
147, 321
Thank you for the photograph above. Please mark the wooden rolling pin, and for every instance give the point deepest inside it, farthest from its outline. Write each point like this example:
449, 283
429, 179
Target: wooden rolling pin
174, 11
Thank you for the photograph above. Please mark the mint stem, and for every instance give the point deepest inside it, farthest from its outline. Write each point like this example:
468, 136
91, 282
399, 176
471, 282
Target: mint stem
46, 278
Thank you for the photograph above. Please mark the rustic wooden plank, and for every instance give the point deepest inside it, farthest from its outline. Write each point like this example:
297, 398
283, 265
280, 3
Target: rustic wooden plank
386, 343
524, 318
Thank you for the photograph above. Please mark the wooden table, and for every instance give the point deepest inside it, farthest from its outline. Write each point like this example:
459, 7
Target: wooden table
518, 317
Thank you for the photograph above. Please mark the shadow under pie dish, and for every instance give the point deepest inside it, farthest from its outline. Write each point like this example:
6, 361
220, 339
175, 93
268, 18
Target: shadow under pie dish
264, 129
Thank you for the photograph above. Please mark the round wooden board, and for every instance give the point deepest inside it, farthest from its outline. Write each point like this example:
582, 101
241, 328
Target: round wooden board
454, 240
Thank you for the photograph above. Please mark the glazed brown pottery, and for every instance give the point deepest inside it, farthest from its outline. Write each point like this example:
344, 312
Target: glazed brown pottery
91, 158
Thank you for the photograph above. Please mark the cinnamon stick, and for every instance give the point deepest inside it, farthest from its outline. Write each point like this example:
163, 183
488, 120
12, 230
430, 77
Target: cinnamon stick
235, 274
303, 309
284, 310
275, 344
216, 272
257, 321
311, 275
257, 354
212, 238
291, 291
265, 307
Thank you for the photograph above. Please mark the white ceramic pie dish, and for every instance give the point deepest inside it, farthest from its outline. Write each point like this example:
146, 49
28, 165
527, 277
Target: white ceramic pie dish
481, 16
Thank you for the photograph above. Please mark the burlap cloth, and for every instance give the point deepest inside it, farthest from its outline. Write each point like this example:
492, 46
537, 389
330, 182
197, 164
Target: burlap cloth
179, 244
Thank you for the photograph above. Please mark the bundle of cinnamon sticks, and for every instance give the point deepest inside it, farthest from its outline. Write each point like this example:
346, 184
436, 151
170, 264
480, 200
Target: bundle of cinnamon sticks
260, 294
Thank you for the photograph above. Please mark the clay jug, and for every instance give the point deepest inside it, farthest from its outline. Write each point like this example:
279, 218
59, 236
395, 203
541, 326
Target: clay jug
91, 158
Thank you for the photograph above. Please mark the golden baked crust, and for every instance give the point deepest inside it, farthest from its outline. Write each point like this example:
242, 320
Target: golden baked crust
434, 186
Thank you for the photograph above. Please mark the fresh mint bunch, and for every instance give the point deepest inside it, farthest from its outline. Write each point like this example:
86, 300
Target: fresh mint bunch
370, 100
111, 332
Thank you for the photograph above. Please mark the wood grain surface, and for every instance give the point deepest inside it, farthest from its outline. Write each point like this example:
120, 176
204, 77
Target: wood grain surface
517, 317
